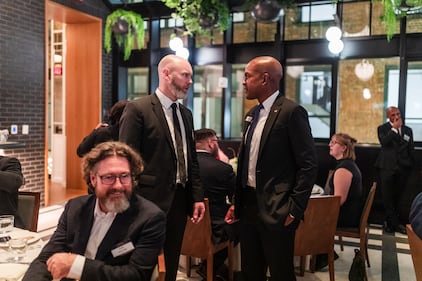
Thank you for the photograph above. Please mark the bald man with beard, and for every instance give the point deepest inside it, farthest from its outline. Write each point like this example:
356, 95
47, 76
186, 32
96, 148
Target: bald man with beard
148, 126
276, 172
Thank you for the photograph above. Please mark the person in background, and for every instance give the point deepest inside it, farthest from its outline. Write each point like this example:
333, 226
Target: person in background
103, 131
415, 215
161, 130
394, 162
346, 182
277, 169
113, 234
218, 179
11, 179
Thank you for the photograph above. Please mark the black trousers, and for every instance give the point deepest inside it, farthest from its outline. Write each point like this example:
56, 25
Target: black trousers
265, 246
393, 185
175, 228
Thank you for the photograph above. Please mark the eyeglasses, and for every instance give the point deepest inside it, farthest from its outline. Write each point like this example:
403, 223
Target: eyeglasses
124, 178
333, 142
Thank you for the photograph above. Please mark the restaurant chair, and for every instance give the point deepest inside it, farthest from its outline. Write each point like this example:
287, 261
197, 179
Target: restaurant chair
197, 242
315, 233
362, 231
28, 209
415, 244
159, 272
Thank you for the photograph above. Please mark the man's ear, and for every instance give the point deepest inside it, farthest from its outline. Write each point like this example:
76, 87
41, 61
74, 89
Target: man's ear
93, 179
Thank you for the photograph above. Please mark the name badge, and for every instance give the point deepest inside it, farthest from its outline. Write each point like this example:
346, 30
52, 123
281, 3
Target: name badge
406, 137
123, 249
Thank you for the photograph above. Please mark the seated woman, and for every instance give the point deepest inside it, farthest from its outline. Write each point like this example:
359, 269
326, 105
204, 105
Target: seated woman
346, 180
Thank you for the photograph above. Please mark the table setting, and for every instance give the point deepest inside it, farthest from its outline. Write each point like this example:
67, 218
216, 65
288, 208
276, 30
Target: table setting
18, 248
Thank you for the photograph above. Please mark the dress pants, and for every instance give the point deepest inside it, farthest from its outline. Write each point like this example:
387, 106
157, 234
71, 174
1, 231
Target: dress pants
175, 228
393, 184
264, 246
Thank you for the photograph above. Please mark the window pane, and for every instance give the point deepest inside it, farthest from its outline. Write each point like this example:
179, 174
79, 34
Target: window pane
137, 85
238, 101
207, 101
310, 86
295, 29
244, 31
413, 113
266, 31
377, 26
414, 23
361, 102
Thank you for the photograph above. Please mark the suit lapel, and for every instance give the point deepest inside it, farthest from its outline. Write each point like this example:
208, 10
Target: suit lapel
157, 108
87, 216
272, 117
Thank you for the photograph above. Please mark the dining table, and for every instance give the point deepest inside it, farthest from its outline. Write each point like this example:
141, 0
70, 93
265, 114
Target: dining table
12, 268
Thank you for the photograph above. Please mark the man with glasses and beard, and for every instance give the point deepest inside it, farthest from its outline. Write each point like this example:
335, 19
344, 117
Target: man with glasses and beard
160, 128
112, 234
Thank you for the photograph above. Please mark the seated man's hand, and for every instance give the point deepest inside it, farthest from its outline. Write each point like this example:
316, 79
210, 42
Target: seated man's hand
59, 264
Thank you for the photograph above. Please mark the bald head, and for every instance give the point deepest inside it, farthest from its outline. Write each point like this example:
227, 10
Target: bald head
175, 76
262, 77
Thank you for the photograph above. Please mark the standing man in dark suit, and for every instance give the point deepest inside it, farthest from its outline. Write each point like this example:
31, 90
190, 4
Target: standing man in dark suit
276, 172
218, 179
11, 179
395, 163
171, 175
113, 234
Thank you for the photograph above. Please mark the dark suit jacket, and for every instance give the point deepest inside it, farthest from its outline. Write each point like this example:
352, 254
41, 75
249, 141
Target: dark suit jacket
218, 179
11, 179
396, 150
415, 215
143, 224
286, 167
99, 135
143, 126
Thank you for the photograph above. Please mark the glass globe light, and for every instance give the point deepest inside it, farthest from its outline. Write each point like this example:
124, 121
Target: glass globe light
175, 43
336, 46
333, 33
183, 52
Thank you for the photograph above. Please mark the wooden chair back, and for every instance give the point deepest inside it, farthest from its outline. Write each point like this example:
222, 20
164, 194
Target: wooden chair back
159, 273
197, 242
315, 234
29, 208
363, 230
415, 244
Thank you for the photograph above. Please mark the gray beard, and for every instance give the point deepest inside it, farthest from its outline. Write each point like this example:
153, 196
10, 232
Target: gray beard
116, 206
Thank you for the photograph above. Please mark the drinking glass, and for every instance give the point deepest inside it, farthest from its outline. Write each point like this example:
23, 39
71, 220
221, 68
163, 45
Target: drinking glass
6, 223
17, 248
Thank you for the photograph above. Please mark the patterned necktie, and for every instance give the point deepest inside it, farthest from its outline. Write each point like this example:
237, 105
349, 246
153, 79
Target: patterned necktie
247, 145
181, 165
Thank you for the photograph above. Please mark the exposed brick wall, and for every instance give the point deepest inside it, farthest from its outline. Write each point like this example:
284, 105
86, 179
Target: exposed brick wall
22, 86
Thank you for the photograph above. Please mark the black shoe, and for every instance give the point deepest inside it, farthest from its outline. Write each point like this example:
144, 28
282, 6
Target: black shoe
400, 228
388, 228
321, 261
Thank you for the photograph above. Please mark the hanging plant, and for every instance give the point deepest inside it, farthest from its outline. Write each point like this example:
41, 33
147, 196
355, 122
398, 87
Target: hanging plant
201, 16
127, 28
394, 9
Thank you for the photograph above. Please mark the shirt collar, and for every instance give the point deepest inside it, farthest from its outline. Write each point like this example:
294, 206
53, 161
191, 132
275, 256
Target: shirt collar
165, 101
268, 103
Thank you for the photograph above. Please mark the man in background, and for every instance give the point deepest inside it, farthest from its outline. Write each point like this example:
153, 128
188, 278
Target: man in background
112, 234
218, 179
394, 162
277, 169
161, 130
11, 179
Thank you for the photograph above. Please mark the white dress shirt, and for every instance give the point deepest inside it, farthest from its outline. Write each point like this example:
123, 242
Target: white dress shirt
256, 138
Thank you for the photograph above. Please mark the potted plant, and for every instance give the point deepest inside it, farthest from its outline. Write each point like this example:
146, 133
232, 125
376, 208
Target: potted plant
394, 9
200, 16
127, 28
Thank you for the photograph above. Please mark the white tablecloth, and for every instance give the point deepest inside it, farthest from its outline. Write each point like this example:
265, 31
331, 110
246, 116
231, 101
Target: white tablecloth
14, 271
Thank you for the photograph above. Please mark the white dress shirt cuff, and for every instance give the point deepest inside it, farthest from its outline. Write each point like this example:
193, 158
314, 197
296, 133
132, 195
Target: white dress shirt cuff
77, 267
395, 130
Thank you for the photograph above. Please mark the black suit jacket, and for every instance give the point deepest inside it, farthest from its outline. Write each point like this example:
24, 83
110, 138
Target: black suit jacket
218, 179
143, 224
143, 126
11, 179
286, 167
99, 135
396, 150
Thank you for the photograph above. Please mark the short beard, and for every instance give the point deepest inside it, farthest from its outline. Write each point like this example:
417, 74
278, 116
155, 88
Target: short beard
116, 205
177, 91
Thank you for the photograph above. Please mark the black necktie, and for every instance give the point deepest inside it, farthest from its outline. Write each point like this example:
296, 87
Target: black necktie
247, 145
181, 166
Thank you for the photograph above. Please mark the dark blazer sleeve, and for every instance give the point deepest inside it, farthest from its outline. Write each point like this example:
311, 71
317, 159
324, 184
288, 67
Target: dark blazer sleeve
11, 178
99, 135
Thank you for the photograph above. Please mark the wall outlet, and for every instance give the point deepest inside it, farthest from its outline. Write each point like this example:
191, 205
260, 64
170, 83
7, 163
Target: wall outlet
13, 129
25, 129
